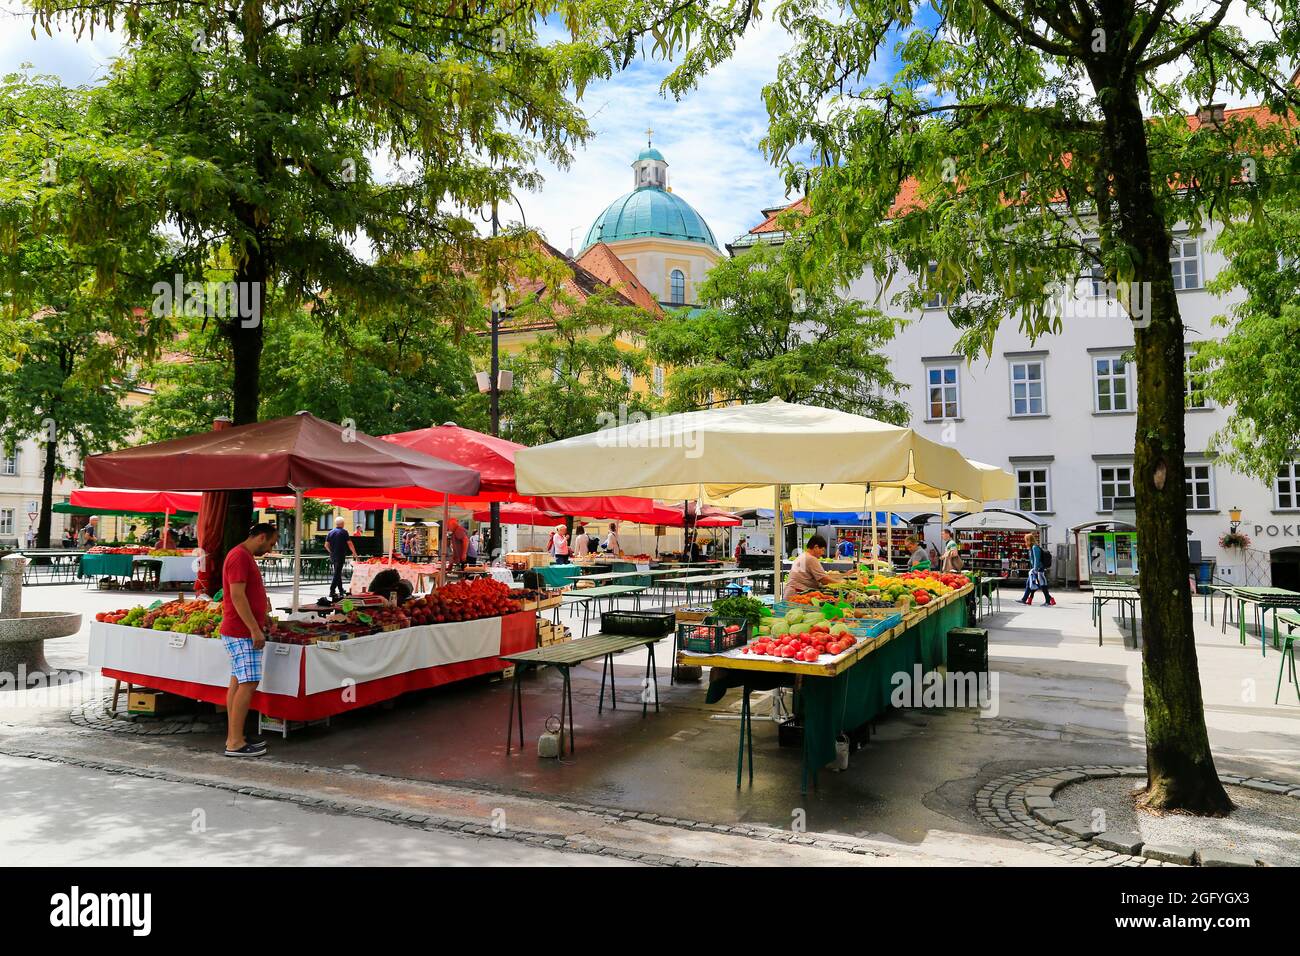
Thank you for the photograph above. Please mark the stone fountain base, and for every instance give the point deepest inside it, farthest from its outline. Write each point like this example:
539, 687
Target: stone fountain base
23, 633
22, 640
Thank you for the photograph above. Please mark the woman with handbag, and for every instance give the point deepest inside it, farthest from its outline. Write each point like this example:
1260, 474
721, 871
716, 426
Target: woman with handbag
1037, 572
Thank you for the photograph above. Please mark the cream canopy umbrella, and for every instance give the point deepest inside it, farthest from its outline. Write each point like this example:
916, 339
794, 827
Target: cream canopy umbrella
722, 450
711, 454
909, 494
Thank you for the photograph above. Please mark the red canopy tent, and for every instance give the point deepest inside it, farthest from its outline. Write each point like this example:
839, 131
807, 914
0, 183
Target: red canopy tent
517, 513
294, 454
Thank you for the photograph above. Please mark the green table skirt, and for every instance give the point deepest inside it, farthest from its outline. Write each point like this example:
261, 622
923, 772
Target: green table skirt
101, 565
558, 575
835, 705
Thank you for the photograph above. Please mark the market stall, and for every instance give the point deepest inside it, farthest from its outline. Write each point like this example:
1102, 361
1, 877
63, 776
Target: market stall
314, 668
847, 681
310, 671
295, 454
993, 541
749, 451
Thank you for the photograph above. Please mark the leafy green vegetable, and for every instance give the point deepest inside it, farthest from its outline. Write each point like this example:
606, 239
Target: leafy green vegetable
741, 608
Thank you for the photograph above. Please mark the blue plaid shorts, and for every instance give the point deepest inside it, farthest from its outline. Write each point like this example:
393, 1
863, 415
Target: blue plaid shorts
245, 660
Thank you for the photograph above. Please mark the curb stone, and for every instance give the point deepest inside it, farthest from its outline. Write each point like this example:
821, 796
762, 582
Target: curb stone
1000, 804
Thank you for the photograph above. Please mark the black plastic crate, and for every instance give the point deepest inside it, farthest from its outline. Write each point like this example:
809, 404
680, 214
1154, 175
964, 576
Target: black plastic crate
637, 623
710, 636
968, 650
789, 732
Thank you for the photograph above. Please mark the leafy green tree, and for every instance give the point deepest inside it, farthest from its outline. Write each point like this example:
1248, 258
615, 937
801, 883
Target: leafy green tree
764, 333
1251, 370
69, 333
576, 373
1009, 133
64, 393
385, 370
264, 127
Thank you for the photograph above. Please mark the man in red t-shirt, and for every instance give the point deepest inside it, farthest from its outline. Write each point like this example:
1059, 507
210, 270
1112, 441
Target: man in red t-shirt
457, 542
244, 612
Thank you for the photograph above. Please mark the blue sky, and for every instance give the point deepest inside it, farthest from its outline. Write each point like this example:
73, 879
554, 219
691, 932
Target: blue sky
710, 137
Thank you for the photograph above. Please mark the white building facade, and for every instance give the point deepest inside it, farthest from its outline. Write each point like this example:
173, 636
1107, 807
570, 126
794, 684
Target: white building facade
20, 495
1060, 413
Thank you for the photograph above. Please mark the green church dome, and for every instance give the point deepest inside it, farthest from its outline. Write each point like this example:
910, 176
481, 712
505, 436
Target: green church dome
650, 211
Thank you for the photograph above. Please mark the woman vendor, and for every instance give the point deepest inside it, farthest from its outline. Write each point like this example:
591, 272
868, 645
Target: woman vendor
806, 573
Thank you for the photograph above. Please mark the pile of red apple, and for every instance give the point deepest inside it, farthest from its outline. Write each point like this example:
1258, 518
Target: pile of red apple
806, 647
463, 601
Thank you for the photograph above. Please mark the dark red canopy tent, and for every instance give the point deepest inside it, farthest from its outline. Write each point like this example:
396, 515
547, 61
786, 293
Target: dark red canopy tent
295, 454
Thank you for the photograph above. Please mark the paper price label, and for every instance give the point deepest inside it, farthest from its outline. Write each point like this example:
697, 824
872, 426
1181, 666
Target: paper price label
281, 649
177, 640
328, 645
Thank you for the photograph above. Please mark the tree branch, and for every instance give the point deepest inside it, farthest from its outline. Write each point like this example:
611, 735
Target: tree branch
1178, 49
1026, 34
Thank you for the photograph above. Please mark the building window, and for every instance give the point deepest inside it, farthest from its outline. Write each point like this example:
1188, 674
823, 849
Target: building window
944, 392
325, 522
9, 464
1185, 258
1114, 481
1110, 384
659, 380
1027, 395
936, 300
1092, 282
677, 281
1200, 487
1286, 489
1193, 384
1033, 489
6, 521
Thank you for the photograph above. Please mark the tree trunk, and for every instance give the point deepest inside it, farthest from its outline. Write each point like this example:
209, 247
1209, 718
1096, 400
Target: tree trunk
246, 338
1180, 767
47, 494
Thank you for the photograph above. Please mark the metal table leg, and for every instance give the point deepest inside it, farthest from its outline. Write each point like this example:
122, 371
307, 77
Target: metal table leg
607, 666
516, 694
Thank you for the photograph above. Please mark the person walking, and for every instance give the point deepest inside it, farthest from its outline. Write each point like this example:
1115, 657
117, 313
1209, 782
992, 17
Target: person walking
1037, 579
338, 543
244, 613
951, 560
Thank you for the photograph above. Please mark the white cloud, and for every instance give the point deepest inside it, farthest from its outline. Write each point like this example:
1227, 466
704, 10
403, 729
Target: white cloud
59, 53
710, 139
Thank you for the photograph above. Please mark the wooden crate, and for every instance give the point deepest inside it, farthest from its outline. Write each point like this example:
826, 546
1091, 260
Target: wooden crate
154, 703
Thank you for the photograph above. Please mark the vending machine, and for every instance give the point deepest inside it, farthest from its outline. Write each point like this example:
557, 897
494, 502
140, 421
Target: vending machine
1113, 553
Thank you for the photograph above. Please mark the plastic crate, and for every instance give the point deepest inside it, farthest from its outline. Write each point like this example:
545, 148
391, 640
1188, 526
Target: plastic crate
637, 623
710, 636
873, 627
789, 732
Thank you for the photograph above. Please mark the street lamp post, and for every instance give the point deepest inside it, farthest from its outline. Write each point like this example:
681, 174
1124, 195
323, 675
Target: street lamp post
494, 532
1234, 519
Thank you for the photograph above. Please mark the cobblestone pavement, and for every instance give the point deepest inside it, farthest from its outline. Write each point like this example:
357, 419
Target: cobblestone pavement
1020, 805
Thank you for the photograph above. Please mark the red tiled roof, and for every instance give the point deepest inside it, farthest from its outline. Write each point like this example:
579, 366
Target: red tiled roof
907, 192
578, 286
601, 261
